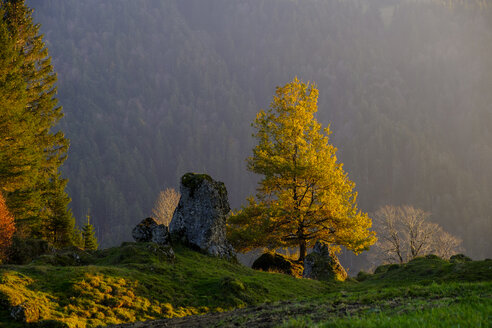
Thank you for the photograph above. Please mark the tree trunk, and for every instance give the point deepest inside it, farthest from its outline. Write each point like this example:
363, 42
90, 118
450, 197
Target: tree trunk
302, 250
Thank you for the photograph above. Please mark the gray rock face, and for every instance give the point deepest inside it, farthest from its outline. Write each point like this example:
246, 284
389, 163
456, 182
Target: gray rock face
150, 231
322, 265
18, 313
200, 217
25, 312
160, 235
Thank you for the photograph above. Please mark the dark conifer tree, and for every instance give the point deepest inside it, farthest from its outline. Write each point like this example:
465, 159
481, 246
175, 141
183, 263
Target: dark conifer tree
38, 201
89, 236
59, 229
18, 159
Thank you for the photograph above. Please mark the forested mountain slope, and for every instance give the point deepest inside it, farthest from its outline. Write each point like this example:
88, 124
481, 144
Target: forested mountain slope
153, 89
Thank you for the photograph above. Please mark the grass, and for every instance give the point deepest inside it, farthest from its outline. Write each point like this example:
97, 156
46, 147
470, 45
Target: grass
135, 282
465, 312
426, 292
138, 282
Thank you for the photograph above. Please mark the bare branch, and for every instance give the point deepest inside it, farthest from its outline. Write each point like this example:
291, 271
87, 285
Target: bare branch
404, 233
165, 205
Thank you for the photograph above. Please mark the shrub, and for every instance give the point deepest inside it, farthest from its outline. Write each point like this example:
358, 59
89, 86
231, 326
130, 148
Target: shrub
7, 229
23, 251
362, 275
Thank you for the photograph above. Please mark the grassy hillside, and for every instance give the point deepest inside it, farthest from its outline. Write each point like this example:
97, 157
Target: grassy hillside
137, 282
426, 292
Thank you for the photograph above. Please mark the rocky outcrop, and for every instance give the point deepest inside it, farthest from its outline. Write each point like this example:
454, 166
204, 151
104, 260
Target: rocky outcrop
274, 262
150, 231
25, 312
322, 265
160, 235
459, 258
200, 217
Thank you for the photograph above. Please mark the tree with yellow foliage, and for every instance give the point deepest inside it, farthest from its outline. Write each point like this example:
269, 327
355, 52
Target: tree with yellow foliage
305, 195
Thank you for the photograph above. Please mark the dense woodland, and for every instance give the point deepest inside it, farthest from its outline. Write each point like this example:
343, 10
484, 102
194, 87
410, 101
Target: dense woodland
154, 89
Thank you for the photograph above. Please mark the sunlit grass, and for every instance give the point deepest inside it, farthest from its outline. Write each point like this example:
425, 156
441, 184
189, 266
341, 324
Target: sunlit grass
131, 283
463, 313
136, 282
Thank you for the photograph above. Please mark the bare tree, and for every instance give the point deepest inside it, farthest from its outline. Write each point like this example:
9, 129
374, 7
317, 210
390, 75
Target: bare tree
404, 233
419, 232
446, 245
165, 205
390, 235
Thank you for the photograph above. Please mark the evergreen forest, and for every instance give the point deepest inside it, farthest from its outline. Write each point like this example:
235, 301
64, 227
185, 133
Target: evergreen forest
154, 89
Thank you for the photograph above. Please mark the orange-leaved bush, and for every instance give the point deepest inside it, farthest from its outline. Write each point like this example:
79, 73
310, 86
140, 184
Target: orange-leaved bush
7, 229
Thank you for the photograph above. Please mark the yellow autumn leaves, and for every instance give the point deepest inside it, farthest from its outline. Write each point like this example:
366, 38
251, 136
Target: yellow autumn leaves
304, 195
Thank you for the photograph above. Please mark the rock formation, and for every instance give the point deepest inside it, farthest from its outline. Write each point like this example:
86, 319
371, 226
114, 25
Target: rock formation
275, 262
150, 231
322, 265
25, 312
200, 217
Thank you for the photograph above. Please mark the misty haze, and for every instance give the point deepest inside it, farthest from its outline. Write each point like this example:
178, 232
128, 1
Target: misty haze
153, 90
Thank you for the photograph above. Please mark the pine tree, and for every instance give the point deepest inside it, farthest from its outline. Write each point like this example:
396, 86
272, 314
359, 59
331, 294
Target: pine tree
305, 195
32, 184
60, 228
89, 236
18, 159
77, 238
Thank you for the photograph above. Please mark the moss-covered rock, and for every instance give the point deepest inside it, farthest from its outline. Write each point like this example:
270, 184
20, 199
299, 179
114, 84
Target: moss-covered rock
149, 230
459, 258
362, 275
25, 312
386, 267
275, 262
432, 257
193, 181
232, 284
321, 264
143, 231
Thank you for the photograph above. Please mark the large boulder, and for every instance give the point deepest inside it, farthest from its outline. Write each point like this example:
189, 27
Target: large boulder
320, 264
199, 220
148, 230
274, 262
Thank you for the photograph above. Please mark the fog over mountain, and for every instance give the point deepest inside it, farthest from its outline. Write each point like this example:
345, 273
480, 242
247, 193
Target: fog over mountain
153, 89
